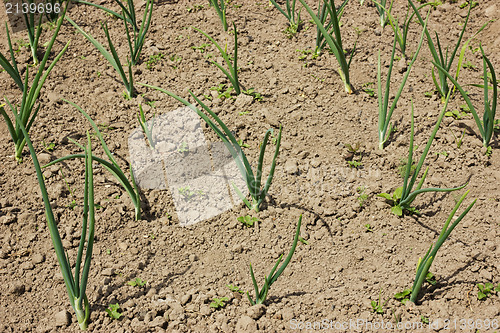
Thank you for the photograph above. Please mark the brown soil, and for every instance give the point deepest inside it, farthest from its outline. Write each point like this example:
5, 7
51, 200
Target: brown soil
344, 266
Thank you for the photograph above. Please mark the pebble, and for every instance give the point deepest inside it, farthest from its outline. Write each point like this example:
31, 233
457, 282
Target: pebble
243, 101
108, 271
44, 158
238, 248
246, 324
256, 311
491, 11
62, 318
205, 310
185, 299
17, 288
7, 219
159, 322
291, 167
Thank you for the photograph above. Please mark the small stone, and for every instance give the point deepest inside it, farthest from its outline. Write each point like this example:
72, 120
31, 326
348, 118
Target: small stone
159, 322
315, 163
27, 266
44, 158
491, 11
238, 248
256, 311
108, 271
193, 257
287, 314
17, 288
62, 318
185, 299
243, 101
246, 324
291, 167
7, 219
205, 310
402, 67
122, 246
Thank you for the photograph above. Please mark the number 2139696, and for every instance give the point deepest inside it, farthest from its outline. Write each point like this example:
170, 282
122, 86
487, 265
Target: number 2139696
467, 324
32, 8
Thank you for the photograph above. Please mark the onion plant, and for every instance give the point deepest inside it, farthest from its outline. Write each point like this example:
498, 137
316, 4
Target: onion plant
486, 127
112, 57
261, 295
128, 11
11, 69
334, 41
34, 29
26, 111
148, 130
403, 197
384, 117
291, 15
220, 8
136, 41
425, 263
76, 284
401, 31
111, 165
383, 12
323, 14
253, 180
232, 72
443, 60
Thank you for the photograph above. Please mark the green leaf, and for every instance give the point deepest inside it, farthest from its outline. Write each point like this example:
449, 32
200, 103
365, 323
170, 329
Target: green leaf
397, 193
403, 294
113, 311
385, 196
397, 210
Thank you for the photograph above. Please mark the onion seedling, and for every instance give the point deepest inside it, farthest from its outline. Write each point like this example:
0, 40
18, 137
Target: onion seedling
384, 117
26, 111
220, 8
253, 181
11, 69
112, 167
486, 127
291, 15
383, 12
323, 16
135, 44
260, 296
148, 131
437, 53
128, 12
400, 32
112, 57
334, 41
425, 263
232, 74
402, 197
34, 30
76, 284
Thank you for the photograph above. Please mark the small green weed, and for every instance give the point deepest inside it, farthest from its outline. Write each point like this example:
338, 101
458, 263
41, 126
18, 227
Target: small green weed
235, 289
486, 290
248, 220
362, 196
403, 296
112, 311
219, 302
202, 48
153, 60
137, 282
378, 307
